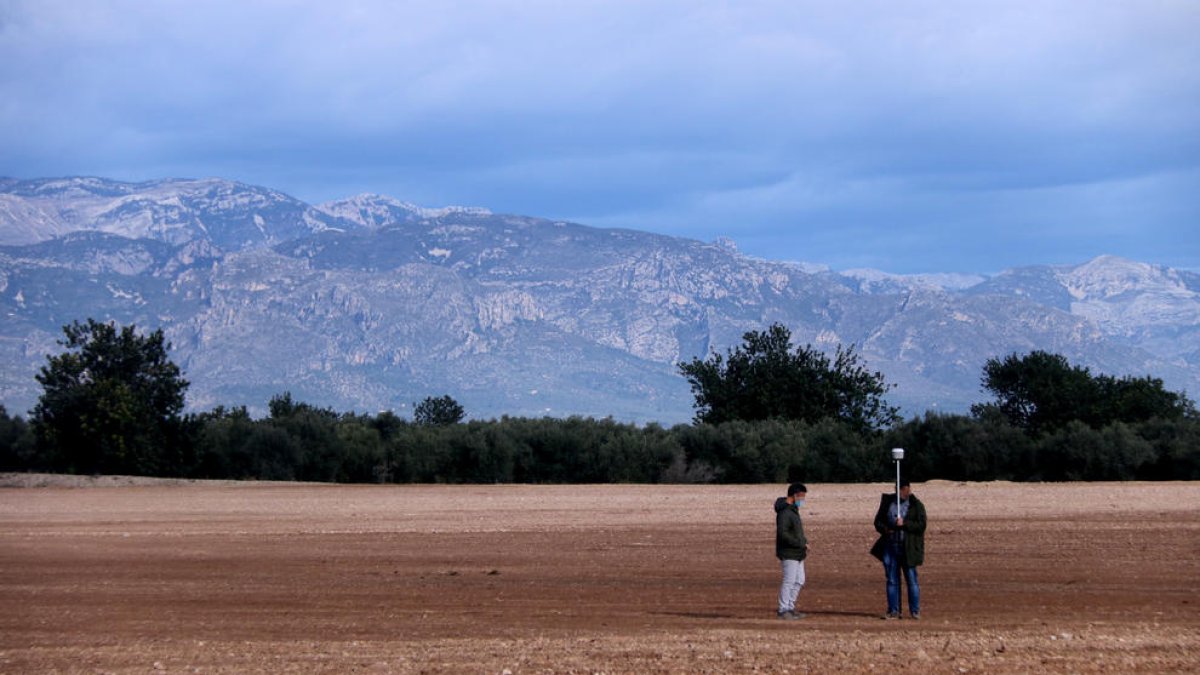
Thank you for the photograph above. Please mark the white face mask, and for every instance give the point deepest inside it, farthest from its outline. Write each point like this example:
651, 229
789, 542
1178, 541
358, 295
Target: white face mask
799, 503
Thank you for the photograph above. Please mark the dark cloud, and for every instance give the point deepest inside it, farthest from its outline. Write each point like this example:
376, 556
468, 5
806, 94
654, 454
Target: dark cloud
922, 136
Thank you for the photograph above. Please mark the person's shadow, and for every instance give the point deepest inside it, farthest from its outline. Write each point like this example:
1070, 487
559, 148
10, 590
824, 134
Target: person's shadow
809, 612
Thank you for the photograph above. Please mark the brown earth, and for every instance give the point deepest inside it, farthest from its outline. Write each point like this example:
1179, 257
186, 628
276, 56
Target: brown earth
152, 576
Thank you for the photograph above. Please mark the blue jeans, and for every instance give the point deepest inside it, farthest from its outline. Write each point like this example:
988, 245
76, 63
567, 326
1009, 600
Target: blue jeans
893, 562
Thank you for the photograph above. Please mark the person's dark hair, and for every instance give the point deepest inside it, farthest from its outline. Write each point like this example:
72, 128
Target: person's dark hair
796, 487
905, 483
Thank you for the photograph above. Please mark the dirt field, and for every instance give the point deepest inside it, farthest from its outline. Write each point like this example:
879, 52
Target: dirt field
222, 577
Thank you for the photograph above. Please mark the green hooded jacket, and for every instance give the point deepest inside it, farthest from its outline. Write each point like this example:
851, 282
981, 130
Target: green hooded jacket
790, 542
914, 529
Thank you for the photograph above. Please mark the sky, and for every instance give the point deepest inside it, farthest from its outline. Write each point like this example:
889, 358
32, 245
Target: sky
914, 136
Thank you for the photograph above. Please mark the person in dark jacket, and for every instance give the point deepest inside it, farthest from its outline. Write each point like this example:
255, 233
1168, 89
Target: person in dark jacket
791, 547
901, 547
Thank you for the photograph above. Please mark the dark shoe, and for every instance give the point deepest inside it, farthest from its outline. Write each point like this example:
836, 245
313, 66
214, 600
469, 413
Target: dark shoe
791, 616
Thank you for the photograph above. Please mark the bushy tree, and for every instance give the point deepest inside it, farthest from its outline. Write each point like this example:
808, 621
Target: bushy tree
1138, 399
111, 401
362, 450
312, 433
438, 412
16, 443
765, 378
221, 441
959, 447
1038, 392
1176, 444
1042, 392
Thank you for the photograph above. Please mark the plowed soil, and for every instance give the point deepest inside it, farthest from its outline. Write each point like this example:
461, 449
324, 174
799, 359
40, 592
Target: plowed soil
144, 576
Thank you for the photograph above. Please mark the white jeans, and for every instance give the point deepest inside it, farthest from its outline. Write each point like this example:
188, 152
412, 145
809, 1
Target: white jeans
793, 581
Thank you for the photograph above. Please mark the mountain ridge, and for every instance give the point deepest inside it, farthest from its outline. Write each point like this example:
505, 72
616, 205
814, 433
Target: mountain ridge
371, 303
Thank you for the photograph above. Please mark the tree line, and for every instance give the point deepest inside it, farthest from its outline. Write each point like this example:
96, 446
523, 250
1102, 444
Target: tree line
112, 404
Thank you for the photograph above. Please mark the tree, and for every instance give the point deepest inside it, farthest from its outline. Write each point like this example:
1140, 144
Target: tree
16, 443
765, 378
1038, 392
110, 403
1042, 392
438, 412
1138, 399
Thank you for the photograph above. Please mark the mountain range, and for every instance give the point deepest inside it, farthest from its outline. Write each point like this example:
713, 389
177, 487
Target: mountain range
370, 303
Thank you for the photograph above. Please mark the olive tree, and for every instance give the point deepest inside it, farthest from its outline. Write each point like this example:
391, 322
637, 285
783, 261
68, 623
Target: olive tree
438, 412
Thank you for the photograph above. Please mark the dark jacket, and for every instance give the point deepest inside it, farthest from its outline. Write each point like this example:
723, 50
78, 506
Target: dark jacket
914, 529
790, 543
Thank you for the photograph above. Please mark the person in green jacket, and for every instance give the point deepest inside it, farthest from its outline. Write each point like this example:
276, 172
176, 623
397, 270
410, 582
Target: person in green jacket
901, 547
791, 547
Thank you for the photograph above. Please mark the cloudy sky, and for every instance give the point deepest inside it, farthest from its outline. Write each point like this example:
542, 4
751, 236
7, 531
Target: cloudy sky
914, 136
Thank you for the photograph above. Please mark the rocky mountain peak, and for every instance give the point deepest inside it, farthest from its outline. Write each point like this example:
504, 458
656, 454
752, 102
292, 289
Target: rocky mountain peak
228, 214
1111, 276
1127, 297
376, 211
